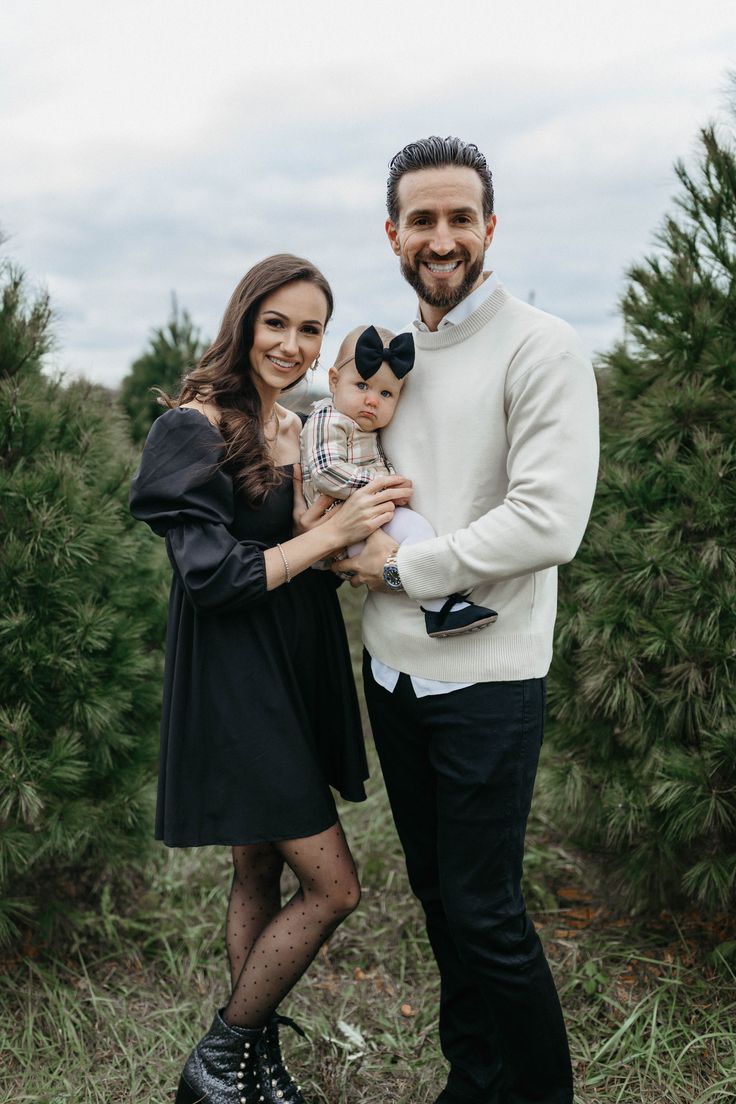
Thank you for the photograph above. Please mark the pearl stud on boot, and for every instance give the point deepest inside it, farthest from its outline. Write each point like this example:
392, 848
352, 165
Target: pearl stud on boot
223, 1067
277, 1083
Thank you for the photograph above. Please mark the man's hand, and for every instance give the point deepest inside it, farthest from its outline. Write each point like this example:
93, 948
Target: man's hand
367, 568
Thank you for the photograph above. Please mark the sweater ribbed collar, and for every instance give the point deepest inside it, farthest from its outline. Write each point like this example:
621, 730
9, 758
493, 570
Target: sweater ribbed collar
453, 335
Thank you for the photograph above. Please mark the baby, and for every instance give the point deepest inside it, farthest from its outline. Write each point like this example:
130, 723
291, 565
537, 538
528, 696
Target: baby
341, 451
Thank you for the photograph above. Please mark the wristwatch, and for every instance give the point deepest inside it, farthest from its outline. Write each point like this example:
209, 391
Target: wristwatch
391, 576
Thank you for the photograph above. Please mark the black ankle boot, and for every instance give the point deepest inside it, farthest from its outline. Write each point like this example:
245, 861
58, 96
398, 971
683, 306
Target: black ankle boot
223, 1067
278, 1086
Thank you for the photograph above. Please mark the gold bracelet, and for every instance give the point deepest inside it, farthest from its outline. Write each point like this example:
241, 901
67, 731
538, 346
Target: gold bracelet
287, 573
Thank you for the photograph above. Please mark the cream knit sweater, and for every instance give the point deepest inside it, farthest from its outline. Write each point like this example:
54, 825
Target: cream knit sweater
497, 427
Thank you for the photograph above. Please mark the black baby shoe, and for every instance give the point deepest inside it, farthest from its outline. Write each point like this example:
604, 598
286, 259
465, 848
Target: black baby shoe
445, 622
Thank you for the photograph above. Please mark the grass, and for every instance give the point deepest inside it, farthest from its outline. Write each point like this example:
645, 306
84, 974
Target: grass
110, 1015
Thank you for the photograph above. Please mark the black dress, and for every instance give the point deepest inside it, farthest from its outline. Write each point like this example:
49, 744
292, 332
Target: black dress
259, 707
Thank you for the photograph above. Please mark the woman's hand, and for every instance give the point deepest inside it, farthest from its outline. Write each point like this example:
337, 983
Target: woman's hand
308, 517
368, 508
406, 483
367, 568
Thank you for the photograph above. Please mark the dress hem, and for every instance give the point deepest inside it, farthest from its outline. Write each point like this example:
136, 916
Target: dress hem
220, 842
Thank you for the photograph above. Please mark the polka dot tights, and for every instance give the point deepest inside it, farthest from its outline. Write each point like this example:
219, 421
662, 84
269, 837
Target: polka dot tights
270, 946
255, 899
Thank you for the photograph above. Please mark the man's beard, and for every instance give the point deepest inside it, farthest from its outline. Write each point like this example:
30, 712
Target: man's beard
443, 298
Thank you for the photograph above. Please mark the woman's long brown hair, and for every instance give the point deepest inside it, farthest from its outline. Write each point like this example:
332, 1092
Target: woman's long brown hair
223, 374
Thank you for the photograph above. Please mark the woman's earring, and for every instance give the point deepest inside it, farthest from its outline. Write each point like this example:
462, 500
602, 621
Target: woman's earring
315, 366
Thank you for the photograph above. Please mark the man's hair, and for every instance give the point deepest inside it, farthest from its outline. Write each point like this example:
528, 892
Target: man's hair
435, 153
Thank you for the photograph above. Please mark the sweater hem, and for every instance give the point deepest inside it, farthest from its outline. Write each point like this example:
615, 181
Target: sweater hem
474, 657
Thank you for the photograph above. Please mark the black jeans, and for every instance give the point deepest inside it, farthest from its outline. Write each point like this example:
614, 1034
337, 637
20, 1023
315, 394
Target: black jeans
459, 769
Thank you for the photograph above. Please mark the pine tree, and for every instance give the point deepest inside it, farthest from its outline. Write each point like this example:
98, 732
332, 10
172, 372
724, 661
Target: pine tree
643, 693
81, 625
172, 351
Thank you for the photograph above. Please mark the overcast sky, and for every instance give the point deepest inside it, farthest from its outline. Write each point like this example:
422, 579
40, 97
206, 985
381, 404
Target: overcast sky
159, 146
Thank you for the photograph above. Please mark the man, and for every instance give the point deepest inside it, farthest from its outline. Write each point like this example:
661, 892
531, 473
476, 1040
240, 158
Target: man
497, 429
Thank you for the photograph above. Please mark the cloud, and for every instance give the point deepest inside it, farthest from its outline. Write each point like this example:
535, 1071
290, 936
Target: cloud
163, 147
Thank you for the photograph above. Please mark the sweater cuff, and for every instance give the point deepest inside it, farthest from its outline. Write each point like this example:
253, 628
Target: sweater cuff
420, 570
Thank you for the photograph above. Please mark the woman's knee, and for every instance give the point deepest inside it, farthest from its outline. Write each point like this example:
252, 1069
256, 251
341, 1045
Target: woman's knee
337, 897
350, 896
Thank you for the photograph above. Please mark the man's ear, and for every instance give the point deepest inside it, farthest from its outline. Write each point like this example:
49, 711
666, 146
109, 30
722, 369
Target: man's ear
332, 377
392, 234
490, 227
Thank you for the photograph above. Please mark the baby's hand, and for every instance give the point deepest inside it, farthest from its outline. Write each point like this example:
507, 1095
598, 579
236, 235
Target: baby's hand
306, 518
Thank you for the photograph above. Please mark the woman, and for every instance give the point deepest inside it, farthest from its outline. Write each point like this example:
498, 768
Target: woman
259, 710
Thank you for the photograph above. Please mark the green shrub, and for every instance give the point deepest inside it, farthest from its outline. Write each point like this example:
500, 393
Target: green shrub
643, 694
173, 351
81, 624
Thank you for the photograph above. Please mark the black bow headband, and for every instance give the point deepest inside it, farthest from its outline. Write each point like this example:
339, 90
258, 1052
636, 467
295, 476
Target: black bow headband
370, 354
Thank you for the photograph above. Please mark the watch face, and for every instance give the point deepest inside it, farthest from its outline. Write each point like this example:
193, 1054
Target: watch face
391, 576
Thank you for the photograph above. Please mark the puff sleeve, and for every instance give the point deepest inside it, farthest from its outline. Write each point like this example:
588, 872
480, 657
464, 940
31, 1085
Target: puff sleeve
183, 493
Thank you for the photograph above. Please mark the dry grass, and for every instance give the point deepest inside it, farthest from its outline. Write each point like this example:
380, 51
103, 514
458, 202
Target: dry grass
110, 1016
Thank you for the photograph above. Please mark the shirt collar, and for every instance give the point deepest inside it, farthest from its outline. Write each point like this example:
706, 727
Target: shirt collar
464, 308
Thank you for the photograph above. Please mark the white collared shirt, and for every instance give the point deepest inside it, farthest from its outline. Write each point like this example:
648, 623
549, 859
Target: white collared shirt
386, 676
465, 307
